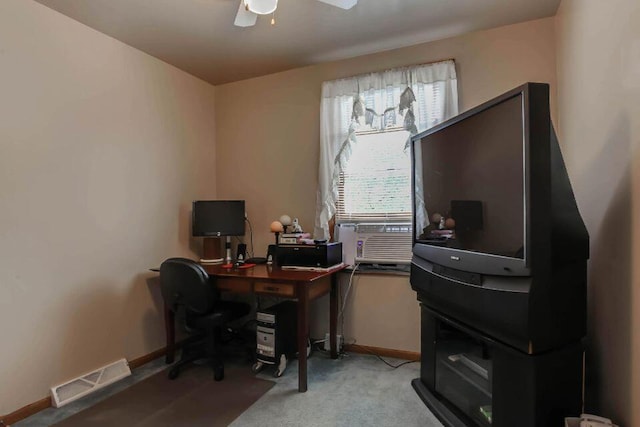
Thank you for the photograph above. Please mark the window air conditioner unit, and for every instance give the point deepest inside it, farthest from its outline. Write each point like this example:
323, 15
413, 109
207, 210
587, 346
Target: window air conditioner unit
375, 243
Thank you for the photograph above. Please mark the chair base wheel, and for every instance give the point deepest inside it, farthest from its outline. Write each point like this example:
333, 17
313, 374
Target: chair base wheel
281, 366
173, 373
218, 373
257, 367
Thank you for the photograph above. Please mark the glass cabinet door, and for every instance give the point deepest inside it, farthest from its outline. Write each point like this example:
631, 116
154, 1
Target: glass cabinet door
463, 373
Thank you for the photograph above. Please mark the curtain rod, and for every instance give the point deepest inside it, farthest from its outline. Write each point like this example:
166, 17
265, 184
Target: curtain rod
434, 62
391, 69
407, 66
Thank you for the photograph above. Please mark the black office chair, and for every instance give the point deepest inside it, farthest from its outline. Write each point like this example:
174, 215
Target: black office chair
184, 283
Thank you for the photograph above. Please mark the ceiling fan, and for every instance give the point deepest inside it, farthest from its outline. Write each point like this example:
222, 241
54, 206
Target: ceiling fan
249, 10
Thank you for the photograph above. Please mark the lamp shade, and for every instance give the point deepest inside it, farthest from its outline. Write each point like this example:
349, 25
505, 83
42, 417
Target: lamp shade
276, 227
285, 220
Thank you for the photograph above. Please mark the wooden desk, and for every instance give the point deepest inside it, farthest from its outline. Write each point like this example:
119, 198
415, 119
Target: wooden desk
302, 286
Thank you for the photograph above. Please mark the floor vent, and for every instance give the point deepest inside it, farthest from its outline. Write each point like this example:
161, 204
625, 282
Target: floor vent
88, 383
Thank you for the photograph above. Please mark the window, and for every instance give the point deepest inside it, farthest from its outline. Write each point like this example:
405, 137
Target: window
365, 125
375, 184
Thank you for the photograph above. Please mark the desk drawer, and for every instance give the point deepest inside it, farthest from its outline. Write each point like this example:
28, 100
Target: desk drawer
282, 289
233, 285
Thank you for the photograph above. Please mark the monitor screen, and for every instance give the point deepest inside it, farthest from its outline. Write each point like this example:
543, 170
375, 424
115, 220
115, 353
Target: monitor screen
212, 218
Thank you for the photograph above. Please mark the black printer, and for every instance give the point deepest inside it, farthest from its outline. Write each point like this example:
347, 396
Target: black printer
322, 255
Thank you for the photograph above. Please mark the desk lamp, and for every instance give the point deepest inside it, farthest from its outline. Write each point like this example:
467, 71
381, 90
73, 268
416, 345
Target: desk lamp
285, 220
277, 228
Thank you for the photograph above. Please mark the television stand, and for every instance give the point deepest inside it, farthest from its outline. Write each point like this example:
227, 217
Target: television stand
468, 379
438, 408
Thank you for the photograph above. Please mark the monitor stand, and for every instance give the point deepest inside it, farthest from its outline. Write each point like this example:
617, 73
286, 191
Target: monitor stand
227, 246
211, 251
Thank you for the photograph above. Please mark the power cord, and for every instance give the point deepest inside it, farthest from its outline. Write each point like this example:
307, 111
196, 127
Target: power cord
341, 315
346, 297
316, 347
406, 362
251, 253
343, 303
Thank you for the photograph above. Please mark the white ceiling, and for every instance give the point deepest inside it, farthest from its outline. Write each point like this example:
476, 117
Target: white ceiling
198, 36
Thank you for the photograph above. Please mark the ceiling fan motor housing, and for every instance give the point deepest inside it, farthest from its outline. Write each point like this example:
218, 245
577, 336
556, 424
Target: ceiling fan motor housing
249, 10
261, 7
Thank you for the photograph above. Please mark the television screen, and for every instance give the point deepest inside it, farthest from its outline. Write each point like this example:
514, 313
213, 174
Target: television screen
212, 218
470, 183
469, 180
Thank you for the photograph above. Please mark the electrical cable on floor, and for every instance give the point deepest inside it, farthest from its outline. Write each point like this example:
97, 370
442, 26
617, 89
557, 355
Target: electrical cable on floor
314, 345
387, 363
344, 354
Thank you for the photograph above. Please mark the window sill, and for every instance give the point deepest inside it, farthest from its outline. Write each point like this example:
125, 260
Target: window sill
394, 270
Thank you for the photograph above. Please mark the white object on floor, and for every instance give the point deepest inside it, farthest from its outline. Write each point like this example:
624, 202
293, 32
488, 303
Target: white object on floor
588, 420
327, 342
78, 387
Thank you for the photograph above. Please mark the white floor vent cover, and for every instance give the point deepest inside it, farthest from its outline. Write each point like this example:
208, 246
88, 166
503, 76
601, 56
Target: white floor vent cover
88, 383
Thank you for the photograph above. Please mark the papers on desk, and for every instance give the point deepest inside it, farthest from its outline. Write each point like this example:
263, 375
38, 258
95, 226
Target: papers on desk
301, 268
212, 261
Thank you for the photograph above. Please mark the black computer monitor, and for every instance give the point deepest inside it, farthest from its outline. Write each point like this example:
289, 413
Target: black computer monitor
214, 218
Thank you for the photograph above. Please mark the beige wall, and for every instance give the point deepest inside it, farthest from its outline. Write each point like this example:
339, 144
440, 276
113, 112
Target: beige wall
115, 145
598, 51
102, 148
267, 133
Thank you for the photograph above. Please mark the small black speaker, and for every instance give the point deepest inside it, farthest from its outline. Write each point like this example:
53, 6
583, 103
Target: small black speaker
241, 253
271, 254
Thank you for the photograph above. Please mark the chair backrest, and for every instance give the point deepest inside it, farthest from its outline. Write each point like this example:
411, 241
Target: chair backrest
184, 282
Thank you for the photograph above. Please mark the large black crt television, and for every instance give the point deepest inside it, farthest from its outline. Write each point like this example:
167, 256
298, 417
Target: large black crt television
499, 243
214, 218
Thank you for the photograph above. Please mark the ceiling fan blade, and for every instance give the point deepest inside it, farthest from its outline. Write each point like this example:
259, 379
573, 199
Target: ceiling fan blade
244, 18
343, 4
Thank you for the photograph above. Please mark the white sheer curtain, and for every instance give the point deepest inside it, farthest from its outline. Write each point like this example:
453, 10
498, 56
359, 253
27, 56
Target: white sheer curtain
415, 98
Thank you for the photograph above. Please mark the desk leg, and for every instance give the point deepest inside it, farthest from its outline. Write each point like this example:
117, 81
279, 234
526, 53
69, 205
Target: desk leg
333, 316
169, 329
303, 332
